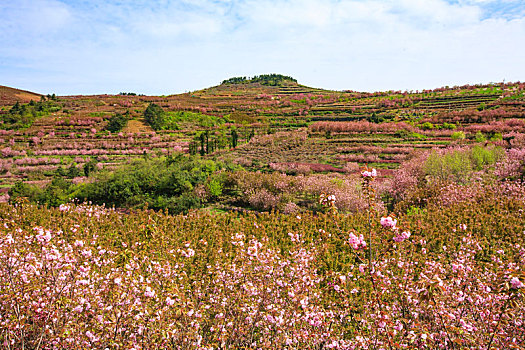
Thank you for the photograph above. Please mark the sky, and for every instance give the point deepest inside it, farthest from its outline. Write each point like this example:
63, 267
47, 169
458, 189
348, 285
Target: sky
163, 47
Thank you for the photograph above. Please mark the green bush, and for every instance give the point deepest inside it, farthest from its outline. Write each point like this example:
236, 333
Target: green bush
117, 122
496, 137
450, 166
215, 187
481, 157
458, 165
155, 116
410, 135
158, 183
55, 193
480, 137
23, 115
23, 190
427, 126
458, 135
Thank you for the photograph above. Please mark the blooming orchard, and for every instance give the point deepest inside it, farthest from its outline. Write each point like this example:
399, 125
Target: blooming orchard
81, 276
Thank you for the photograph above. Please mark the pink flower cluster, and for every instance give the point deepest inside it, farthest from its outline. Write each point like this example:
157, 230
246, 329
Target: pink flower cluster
356, 242
402, 236
388, 222
515, 283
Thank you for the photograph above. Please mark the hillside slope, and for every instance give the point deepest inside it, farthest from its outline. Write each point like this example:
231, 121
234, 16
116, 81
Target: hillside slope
9, 96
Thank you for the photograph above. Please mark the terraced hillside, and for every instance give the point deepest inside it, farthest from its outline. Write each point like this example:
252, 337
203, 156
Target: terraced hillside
274, 126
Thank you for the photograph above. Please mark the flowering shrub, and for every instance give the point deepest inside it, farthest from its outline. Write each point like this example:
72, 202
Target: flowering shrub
273, 191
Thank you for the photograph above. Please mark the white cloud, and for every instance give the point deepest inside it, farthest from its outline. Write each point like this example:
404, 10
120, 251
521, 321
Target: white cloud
39, 18
163, 47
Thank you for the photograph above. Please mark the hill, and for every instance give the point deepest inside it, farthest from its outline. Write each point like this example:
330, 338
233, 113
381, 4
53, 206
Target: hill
268, 123
9, 96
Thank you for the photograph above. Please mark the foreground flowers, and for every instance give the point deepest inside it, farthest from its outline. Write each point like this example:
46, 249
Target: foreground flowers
204, 281
515, 283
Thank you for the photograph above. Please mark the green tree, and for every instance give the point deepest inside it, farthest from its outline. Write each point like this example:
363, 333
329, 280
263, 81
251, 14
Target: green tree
155, 116
235, 138
117, 122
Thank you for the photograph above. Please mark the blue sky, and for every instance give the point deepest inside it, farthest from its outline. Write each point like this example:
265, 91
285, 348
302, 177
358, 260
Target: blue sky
164, 47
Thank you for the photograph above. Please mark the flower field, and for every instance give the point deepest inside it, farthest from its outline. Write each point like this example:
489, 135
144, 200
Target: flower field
83, 276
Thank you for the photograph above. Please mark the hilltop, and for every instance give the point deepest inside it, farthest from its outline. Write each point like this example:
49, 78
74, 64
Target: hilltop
9, 96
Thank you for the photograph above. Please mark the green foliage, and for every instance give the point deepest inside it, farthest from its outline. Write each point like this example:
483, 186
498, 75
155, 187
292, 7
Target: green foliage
73, 171
496, 137
427, 126
157, 183
117, 122
449, 126
481, 157
55, 193
70, 172
480, 137
458, 135
374, 118
23, 190
235, 80
155, 116
89, 167
263, 79
235, 138
241, 117
215, 187
172, 120
23, 115
410, 135
458, 165
453, 165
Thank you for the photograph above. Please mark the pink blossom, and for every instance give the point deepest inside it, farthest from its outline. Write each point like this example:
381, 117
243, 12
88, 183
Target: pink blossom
388, 222
170, 301
401, 237
64, 207
149, 292
515, 283
367, 173
356, 242
9, 239
43, 236
189, 253
79, 308
92, 337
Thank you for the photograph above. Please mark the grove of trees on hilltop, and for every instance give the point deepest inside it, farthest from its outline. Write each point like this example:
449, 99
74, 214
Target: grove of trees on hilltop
263, 79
